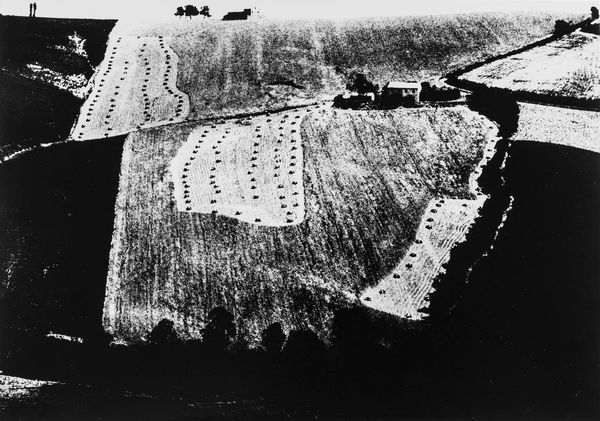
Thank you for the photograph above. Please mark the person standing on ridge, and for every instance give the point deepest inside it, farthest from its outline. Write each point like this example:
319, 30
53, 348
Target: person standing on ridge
34, 8
30, 10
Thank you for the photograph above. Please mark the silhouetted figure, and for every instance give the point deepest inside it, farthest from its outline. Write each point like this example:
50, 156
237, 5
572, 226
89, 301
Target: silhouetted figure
30, 10
34, 9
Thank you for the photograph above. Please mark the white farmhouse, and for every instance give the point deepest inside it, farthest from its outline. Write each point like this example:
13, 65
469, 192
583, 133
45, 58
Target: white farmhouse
400, 90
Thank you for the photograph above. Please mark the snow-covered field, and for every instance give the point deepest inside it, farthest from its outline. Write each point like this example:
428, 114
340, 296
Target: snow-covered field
561, 126
134, 87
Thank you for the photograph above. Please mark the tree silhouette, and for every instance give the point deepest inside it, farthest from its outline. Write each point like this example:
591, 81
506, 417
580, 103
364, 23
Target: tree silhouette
273, 338
180, 12
499, 105
352, 330
164, 333
220, 330
594, 11
191, 11
205, 11
358, 82
561, 27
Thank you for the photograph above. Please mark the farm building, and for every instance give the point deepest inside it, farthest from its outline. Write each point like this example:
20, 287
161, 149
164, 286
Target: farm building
401, 90
244, 15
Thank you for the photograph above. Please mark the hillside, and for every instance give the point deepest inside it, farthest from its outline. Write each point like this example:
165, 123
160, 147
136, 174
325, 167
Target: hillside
45, 66
567, 67
232, 67
368, 178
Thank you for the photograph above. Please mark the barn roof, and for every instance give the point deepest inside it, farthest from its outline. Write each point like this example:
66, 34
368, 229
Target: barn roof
403, 85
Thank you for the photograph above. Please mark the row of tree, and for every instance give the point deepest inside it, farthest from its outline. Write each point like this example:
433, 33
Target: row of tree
190, 11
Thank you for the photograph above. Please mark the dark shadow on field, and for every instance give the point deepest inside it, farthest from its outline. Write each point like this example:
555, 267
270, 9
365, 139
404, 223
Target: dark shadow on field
33, 111
56, 218
521, 342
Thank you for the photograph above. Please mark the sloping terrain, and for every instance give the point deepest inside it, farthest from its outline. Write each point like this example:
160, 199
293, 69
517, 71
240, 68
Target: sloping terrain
446, 222
368, 178
134, 88
567, 67
56, 216
236, 67
250, 170
45, 66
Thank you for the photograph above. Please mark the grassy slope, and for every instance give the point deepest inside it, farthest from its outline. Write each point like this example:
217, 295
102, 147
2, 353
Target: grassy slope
229, 67
368, 178
31, 111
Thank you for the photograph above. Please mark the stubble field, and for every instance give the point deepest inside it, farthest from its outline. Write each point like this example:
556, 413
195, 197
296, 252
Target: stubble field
237, 67
134, 88
567, 67
368, 179
560, 126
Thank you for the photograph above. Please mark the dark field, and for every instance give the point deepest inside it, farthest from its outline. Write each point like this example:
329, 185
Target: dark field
56, 216
521, 343
33, 111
